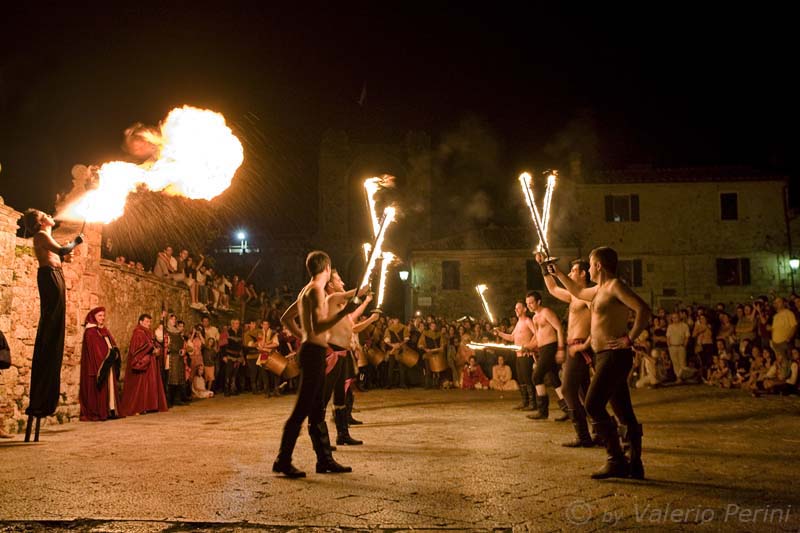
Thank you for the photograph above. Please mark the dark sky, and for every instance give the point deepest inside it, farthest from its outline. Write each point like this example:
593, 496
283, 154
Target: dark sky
678, 87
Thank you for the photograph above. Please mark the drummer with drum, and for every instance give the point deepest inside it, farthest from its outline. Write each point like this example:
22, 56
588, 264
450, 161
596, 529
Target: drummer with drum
396, 340
430, 342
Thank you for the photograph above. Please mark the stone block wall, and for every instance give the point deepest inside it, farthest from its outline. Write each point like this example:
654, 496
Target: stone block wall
90, 282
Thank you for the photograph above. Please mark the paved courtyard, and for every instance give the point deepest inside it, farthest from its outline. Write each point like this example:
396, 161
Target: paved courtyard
457, 460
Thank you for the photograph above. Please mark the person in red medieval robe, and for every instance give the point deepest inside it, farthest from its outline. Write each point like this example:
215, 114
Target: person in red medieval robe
144, 390
100, 365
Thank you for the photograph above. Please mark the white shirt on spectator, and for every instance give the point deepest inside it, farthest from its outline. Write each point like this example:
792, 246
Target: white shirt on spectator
677, 334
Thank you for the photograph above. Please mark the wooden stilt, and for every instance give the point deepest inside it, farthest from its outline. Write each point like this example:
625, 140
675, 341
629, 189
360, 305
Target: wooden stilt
28, 428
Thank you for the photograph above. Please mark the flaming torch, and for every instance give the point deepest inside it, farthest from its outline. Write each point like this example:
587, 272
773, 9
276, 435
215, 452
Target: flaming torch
387, 259
484, 345
196, 156
376, 248
525, 181
481, 290
371, 186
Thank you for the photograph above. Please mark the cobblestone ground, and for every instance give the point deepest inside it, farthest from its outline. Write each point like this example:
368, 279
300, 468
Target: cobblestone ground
457, 460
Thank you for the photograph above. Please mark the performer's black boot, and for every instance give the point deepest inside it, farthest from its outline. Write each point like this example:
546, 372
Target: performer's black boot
349, 408
562, 403
635, 440
543, 402
616, 464
342, 432
531, 392
582, 437
322, 446
523, 393
283, 464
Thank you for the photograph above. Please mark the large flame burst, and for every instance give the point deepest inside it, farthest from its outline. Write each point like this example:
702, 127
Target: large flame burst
198, 158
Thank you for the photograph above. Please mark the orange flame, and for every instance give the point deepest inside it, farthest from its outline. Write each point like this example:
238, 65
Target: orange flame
198, 159
388, 258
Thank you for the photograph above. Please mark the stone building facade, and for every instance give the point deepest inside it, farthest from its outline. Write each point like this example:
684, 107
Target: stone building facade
701, 235
90, 282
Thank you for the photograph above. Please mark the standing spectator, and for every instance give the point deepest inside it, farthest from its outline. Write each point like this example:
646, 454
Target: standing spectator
230, 345
745, 325
726, 330
704, 341
677, 339
100, 365
143, 392
784, 326
176, 371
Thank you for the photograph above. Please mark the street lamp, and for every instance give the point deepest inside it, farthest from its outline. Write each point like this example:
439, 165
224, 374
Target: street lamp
242, 236
404, 274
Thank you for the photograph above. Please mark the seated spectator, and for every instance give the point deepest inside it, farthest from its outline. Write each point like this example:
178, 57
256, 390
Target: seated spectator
501, 376
165, 263
649, 375
472, 377
199, 385
720, 374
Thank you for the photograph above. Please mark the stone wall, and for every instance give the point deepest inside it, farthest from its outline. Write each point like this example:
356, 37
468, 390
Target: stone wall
504, 271
90, 282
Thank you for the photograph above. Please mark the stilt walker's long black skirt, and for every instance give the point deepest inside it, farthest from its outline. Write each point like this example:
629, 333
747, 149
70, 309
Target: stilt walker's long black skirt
48, 351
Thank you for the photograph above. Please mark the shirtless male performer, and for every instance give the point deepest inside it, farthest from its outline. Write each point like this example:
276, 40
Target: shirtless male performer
611, 301
579, 359
524, 335
48, 350
340, 339
550, 340
315, 321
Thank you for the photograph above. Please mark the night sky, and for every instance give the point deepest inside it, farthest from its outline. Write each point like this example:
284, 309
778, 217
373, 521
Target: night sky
671, 88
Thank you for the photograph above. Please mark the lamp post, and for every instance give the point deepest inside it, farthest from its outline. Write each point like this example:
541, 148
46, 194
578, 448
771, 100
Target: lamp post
794, 263
242, 236
406, 299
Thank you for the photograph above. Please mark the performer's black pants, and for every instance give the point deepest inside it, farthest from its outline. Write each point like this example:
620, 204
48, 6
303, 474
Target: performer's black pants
610, 383
546, 362
48, 350
309, 404
576, 383
524, 367
334, 383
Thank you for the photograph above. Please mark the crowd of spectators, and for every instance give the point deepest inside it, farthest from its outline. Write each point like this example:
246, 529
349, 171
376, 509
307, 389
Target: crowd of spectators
753, 346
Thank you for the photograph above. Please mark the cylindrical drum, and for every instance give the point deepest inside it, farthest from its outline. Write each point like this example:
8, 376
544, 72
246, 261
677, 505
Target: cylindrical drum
374, 356
409, 357
292, 368
274, 362
437, 362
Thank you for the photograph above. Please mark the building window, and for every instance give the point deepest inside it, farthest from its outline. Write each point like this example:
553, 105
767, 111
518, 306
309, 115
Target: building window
534, 275
733, 271
630, 271
729, 205
622, 208
451, 275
